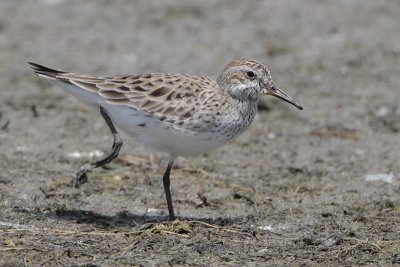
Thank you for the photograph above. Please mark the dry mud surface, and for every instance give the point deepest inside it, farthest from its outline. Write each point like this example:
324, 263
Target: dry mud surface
319, 187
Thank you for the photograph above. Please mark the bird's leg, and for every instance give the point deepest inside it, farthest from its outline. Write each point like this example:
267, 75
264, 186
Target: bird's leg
80, 177
117, 143
167, 190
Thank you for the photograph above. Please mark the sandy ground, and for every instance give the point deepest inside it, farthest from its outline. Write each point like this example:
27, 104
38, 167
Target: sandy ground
313, 188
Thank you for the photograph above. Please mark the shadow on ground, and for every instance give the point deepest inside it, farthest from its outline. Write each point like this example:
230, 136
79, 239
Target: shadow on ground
121, 219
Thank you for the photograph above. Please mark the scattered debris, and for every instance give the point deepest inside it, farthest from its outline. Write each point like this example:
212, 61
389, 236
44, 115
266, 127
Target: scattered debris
295, 170
271, 136
5, 179
5, 125
240, 195
272, 229
46, 193
387, 178
309, 241
332, 241
218, 247
336, 130
326, 214
34, 111
21, 148
13, 225
203, 200
396, 258
177, 227
268, 228
89, 155
386, 116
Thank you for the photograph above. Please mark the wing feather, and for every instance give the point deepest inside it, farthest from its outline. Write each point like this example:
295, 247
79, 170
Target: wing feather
170, 97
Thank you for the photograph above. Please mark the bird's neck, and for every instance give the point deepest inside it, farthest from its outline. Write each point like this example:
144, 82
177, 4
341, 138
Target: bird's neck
245, 109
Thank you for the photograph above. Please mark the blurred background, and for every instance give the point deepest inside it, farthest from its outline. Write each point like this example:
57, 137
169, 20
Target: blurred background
326, 165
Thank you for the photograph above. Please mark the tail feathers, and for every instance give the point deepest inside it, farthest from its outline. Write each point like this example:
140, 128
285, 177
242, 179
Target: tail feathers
48, 72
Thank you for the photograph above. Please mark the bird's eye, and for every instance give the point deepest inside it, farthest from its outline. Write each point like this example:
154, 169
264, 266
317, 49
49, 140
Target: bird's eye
250, 74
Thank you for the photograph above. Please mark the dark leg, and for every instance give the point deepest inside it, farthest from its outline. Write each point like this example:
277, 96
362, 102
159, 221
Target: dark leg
80, 176
166, 183
117, 144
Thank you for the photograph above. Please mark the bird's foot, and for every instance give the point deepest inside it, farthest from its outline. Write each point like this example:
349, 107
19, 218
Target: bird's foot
80, 176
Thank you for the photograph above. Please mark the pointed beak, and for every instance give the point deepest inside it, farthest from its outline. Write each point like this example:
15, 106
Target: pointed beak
275, 91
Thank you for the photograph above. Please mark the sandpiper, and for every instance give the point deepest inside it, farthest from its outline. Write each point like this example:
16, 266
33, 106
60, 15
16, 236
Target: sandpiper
181, 115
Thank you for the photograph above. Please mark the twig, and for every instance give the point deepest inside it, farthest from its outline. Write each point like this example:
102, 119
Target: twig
46, 261
221, 228
15, 248
5, 125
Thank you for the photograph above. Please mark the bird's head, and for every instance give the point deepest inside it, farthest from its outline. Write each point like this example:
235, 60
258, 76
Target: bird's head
247, 80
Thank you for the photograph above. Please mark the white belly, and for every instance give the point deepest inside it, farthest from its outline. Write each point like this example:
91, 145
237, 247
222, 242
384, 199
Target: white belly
158, 135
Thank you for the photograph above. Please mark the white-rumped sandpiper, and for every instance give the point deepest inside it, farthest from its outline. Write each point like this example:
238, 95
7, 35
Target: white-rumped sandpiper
174, 113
